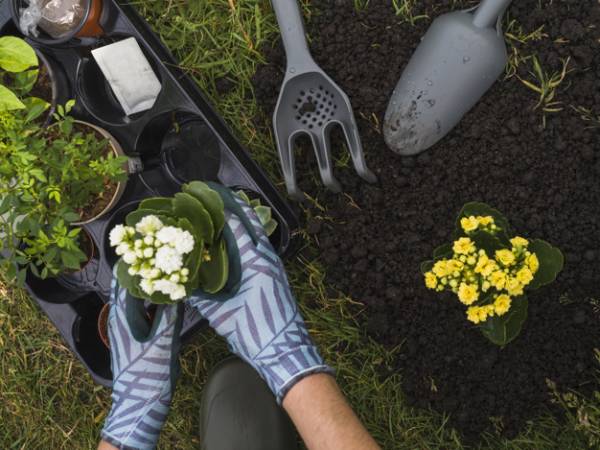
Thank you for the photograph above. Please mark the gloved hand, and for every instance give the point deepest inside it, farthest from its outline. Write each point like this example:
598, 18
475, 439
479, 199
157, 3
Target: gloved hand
261, 321
145, 368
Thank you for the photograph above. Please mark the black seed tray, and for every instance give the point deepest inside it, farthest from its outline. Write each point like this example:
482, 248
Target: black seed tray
180, 139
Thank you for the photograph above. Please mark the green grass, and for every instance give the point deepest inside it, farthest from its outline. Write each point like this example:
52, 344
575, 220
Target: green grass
48, 401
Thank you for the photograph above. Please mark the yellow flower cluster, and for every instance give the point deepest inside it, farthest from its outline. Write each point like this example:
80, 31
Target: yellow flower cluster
473, 275
471, 224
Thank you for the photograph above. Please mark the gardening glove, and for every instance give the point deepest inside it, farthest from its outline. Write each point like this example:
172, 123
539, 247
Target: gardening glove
145, 368
261, 320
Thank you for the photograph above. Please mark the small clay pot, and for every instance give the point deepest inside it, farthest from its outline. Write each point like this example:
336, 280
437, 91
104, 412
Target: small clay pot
118, 151
103, 322
88, 27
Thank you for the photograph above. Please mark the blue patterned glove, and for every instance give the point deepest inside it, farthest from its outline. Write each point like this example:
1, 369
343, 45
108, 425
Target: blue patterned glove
261, 321
145, 367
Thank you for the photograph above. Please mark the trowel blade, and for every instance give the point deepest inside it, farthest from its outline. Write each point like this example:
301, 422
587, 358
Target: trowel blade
453, 66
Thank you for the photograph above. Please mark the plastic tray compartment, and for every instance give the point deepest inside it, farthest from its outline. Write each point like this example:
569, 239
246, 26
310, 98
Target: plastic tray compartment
180, 139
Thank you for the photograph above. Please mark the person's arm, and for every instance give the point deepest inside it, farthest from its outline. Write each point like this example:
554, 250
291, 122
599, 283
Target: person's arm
323, 417
264, 326
145, 366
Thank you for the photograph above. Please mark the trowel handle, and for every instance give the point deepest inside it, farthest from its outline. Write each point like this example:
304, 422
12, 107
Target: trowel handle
488, 12
291, 25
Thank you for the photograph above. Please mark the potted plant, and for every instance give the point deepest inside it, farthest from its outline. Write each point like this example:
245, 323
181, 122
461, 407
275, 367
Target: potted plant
50, 179
169, 247
29, 79
59, 22
490, 269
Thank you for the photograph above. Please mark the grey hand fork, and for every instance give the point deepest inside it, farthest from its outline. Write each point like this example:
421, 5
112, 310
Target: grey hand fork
462, 54
310, 103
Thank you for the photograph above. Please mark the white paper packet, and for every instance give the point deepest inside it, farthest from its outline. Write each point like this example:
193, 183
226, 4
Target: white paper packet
129, 74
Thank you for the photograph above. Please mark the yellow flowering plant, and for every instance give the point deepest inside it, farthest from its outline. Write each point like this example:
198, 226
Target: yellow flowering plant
489, 269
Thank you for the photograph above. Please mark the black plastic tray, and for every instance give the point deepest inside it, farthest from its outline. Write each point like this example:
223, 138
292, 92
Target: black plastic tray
73, 303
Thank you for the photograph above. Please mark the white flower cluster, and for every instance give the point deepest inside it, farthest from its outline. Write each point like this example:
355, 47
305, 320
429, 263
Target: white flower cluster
155, 252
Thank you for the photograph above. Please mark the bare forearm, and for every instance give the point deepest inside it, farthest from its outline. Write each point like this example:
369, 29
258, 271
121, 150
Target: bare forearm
106, 446
323, 417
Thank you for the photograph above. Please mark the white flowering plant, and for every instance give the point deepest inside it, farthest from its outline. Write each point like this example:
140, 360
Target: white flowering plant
489, 269
170, 247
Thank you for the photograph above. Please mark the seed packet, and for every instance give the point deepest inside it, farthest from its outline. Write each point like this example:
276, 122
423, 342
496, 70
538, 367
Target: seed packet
129, 74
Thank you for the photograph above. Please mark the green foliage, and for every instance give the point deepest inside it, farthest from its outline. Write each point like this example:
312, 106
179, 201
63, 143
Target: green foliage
503, 329
16, 58
499, 328
48, 177
264, 213
199, 210
551, 260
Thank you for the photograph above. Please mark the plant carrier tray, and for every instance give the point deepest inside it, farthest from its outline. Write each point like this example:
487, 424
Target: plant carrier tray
182, 138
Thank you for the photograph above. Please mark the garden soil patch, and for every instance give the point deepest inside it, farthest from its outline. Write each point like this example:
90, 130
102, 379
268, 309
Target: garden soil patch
546, 181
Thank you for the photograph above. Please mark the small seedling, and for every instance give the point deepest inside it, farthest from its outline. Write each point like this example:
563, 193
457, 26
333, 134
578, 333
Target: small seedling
546, 86
587, 115
405, 9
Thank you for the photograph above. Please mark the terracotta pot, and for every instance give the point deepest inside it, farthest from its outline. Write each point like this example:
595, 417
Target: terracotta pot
88, 27
103, 324
118, 151
91, 24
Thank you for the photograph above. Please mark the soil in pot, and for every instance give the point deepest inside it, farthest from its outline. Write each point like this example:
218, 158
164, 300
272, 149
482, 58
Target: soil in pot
43, 86
372, 240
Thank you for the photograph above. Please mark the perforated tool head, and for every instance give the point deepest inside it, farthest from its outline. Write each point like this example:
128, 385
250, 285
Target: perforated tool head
312, 104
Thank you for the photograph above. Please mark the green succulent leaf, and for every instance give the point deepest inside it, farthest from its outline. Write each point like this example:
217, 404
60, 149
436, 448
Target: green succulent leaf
443, 251
135, 216
241, 194
16, 55
188, 206
551, 261
213, 274
426, 266
487, 242
211, 201
503, 329
270, 227
162, 204
8, 100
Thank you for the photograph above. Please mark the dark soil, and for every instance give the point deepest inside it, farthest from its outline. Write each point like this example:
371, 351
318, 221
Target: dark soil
43, 86
97, 204
544, 180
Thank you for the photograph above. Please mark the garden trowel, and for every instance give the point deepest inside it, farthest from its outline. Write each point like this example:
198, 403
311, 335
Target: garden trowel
462, 54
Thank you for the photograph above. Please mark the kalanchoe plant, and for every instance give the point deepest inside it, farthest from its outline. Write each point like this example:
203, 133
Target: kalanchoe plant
170, 247
264, 213
490, 269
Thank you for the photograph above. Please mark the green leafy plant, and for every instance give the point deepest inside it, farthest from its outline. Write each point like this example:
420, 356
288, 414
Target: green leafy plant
49, 176
18, 74
490, 269
171, 246
264, 213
